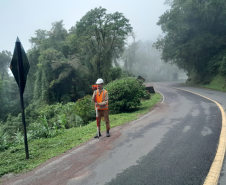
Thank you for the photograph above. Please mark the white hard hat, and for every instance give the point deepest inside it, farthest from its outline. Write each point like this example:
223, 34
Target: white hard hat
99, 81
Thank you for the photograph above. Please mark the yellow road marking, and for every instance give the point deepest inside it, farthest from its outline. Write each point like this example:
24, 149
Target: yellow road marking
215, 169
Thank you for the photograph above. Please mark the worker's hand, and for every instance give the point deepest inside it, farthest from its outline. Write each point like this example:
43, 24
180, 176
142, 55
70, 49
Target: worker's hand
97, 104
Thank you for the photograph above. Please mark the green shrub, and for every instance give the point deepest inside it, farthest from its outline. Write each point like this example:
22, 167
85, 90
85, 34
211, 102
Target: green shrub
31, 111
147, 95
56, 112
115, 73
73, 119
46, 121
125, 94
4, 141
41, 129
18, 137
84, 107
50, 111
71, 114
12, 125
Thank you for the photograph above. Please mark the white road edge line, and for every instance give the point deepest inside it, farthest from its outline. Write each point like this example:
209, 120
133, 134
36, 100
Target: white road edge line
163, 97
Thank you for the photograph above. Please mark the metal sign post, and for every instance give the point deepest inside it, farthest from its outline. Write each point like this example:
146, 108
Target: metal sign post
20, 67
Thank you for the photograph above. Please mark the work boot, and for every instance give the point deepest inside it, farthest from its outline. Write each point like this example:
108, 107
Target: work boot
96, 136
108, 134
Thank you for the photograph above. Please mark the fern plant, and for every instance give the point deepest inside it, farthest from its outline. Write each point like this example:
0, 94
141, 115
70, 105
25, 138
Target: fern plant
18, 136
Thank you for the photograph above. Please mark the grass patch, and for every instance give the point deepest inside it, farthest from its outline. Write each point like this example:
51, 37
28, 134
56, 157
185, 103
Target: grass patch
13, 160
218, 83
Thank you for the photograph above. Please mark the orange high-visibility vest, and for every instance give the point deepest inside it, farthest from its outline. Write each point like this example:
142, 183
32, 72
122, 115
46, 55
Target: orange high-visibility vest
100, 98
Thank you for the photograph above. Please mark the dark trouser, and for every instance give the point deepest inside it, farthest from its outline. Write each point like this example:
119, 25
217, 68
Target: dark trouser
105, 114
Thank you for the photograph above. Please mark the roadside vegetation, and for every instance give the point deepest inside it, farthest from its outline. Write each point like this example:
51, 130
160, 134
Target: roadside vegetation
64, 64
12, 159
194, 35
218, 83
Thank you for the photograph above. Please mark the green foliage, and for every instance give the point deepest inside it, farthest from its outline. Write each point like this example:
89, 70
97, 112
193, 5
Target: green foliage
41, 129
62, 120
102, 37
115, 73
223, 67
13, 160
7, 140
147, 95
214, 64
19, 138
40, 36
129, 56
63, 65
62, 68
12, 125
11, 132
62, 115
126, 74
125, 94
4, 141
5, 58
60, 76
43, 122
9, 98
218, 64
84, 107
194, 34
58, 32
218, 82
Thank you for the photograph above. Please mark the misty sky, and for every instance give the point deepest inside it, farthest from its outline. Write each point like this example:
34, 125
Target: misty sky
22, 17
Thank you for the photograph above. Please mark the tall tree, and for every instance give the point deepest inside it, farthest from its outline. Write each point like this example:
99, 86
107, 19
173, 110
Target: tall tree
58, 73
41, 35
100, 35
130, 56
194, 34
47, 46
5, 58
8, 88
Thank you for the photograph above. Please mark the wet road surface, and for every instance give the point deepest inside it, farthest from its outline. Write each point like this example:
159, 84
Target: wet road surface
219, 97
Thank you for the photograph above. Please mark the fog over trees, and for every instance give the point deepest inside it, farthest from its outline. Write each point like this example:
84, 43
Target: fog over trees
63, 64
194, 38
142, 58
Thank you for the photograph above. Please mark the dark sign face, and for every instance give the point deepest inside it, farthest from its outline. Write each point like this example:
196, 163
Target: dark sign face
20, 59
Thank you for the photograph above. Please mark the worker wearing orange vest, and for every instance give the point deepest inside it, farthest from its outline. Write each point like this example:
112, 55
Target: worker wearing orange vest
102, 105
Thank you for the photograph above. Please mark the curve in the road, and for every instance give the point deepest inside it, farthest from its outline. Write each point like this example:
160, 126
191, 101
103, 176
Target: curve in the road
214, 173
163, 97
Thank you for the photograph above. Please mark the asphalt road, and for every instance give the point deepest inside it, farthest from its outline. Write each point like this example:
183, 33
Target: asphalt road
219, 97
175, 144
